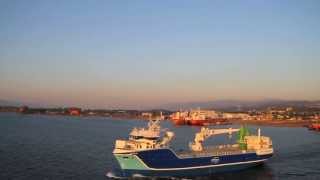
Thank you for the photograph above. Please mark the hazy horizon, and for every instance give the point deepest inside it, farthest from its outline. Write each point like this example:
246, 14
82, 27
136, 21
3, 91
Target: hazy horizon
125, 54
226, 103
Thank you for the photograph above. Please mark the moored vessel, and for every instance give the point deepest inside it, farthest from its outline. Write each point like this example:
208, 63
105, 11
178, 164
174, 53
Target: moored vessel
147, 152
198, 117
314, 127
179, 118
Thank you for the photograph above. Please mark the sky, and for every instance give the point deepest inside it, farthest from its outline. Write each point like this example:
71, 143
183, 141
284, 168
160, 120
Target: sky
140, 54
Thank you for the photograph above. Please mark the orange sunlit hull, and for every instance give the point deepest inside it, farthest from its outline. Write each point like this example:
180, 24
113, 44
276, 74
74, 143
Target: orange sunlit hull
178, 122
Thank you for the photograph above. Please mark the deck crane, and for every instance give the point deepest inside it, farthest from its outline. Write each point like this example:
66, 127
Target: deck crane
205, 133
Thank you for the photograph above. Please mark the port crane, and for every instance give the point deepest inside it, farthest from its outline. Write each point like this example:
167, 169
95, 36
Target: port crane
205, 133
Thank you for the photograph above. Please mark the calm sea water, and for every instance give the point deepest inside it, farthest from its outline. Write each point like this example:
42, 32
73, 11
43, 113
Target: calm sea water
60, 147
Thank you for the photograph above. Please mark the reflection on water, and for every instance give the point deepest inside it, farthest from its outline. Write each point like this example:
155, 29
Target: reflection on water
59, 147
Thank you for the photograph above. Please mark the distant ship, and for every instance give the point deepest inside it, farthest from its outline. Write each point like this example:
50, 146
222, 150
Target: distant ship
314, 126
179, 118
197, 118
148, 153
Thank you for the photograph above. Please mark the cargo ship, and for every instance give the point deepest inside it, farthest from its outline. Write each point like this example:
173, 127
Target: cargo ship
314, 127
198, 118
147, 152
179, 118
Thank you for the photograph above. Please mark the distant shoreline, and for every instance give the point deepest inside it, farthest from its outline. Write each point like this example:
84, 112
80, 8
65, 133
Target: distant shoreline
272, 123
276, 123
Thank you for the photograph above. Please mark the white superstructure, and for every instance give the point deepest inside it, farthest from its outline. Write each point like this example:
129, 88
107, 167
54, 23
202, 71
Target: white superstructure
144, 138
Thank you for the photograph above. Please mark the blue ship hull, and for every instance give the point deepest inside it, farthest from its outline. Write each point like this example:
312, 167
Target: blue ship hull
189, 172
164, 163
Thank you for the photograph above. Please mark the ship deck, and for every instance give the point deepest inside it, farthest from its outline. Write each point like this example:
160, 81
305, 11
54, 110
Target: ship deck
213, 151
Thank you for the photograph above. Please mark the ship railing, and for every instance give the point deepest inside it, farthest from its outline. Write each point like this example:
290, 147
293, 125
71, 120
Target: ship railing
213, 151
